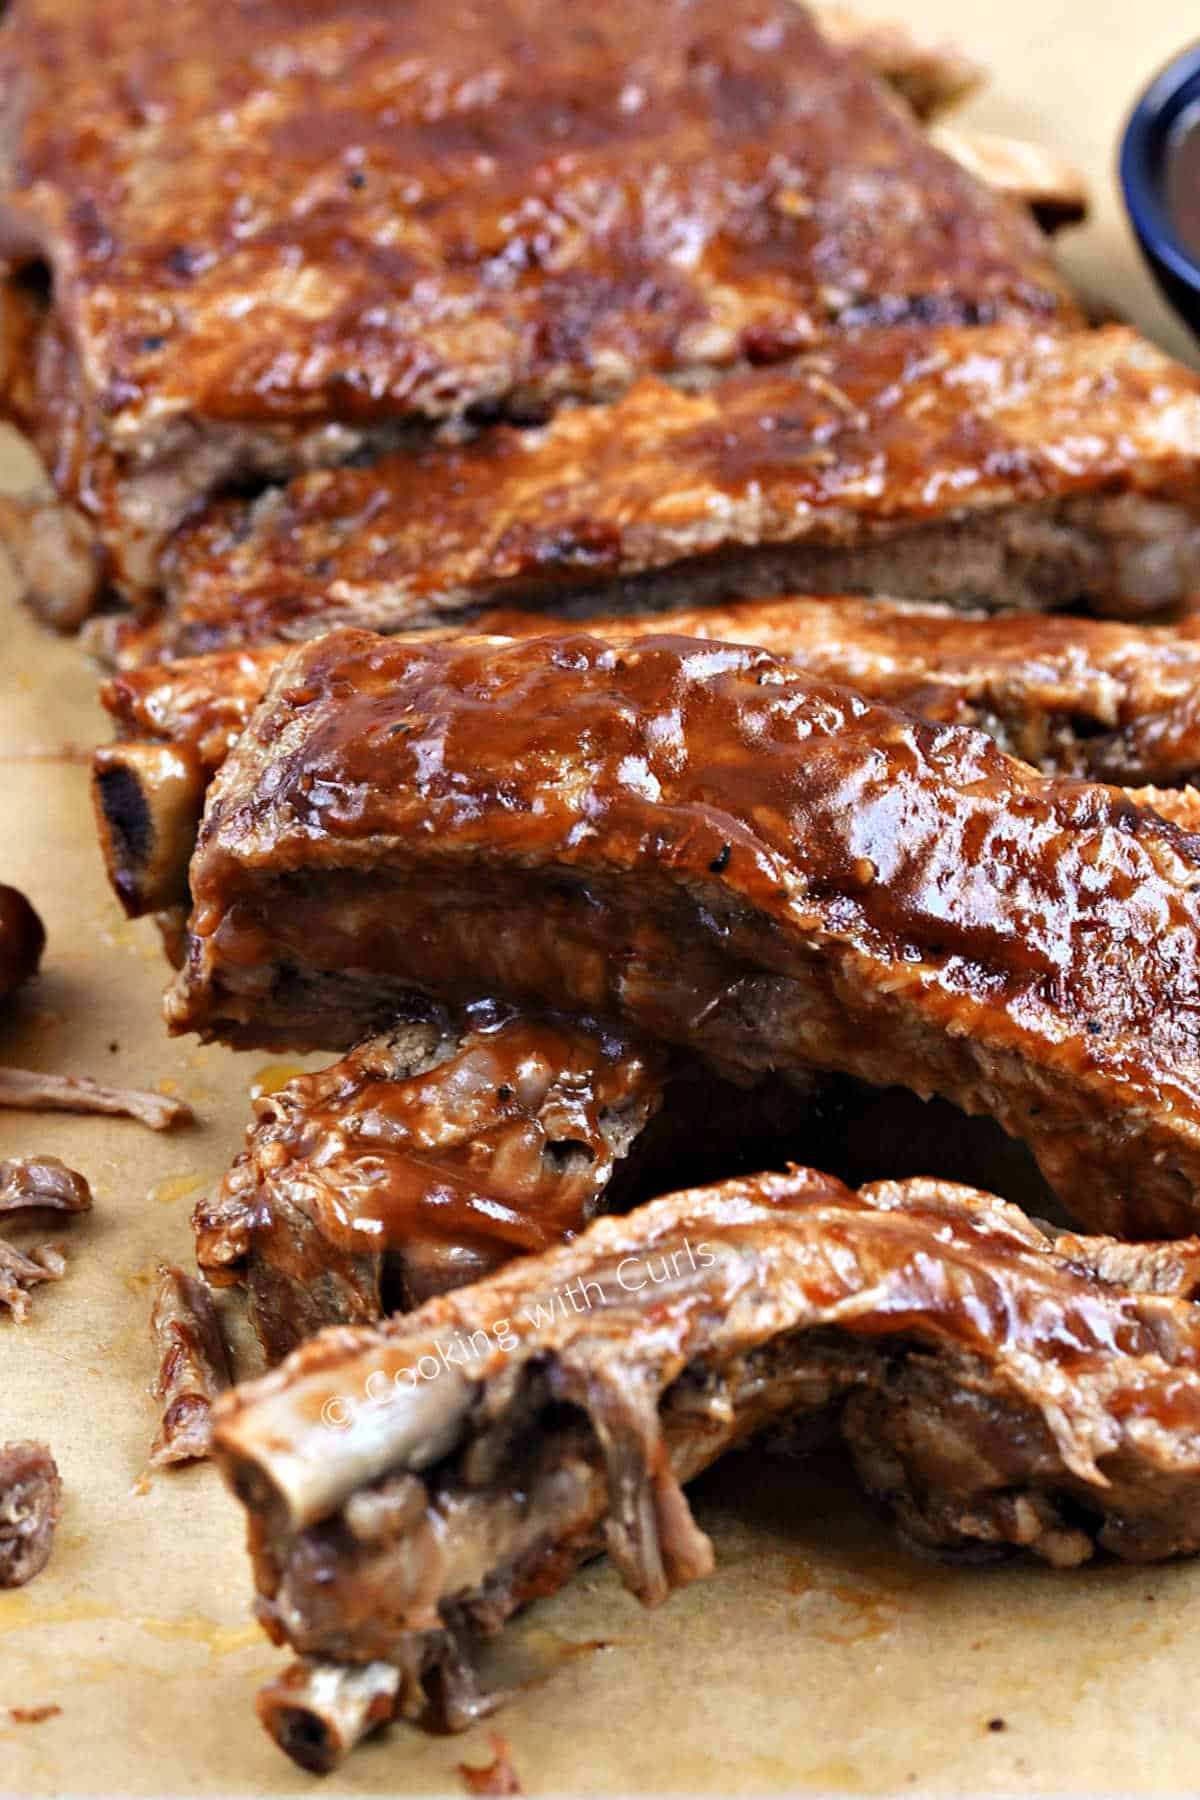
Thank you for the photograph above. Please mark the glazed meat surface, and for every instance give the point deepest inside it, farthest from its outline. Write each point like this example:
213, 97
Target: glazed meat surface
495, 201
728, 855
497, 210
410, 1486
422, 1161
1072, 696
993, 468
102, 518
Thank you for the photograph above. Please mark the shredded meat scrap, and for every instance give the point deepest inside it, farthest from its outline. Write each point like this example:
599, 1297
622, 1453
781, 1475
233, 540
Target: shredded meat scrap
409, 1486
21, 1272
194, 1366
30, 1491
35, 1184
35, 1091
723, 853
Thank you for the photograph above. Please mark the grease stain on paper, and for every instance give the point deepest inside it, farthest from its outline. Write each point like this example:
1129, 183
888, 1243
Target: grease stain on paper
176, 1188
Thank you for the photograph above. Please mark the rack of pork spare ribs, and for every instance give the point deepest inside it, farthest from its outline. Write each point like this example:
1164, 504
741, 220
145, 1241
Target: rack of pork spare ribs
399, 375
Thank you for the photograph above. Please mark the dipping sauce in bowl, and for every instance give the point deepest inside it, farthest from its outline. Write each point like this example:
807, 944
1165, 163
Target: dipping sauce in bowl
1160, 176
1181, 178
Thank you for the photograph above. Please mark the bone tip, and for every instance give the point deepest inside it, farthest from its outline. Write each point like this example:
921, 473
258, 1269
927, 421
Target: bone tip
300, 1731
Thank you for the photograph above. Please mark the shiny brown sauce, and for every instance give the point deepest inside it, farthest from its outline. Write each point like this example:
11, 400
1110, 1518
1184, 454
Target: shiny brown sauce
1181, 176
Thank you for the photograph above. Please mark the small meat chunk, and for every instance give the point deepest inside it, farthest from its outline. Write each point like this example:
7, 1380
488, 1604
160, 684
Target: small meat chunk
34, 1183
21, 1272
30, 1492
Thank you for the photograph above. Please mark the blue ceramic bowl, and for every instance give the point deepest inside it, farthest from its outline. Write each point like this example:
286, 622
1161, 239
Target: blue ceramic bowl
1143, 149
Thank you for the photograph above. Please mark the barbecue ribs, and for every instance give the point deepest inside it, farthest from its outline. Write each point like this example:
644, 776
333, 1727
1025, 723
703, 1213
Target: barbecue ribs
727, 855
997, 468
1072, 696
411, 1486
498, 206
436, 1152
422, 1161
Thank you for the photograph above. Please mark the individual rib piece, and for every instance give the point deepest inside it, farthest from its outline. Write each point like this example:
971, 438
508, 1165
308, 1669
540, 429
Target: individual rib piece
422, 1161
435, 1153
42, 1183
30, 1494
193, 1366
494, 211
409, 1487
727, 855
1072, 696
995, 468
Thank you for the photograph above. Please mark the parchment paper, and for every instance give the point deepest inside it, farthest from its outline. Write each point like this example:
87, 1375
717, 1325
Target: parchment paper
818, 1658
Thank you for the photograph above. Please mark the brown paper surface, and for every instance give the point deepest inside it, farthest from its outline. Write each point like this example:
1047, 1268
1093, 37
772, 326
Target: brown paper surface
818, 1658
